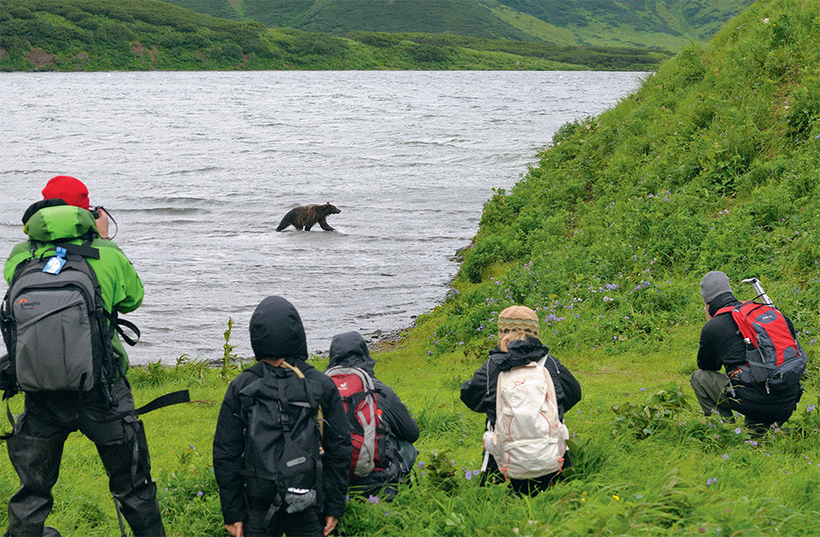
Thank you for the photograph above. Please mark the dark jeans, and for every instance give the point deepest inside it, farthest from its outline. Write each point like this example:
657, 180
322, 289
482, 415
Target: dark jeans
36, 448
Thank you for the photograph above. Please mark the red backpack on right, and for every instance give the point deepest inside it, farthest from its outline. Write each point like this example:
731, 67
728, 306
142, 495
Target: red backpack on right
367, 430
775, 358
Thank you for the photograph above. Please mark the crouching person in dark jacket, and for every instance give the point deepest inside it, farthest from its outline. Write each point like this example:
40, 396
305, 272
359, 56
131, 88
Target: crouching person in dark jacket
397, 429
272, 476
518, 347
722, 347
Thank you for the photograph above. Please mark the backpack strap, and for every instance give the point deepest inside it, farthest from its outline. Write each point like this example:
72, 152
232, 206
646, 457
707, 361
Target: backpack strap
320, 415
173, 398
85, 249
116, 324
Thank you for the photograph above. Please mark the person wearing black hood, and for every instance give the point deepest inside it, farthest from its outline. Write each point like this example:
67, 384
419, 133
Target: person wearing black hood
350, 350
277, 339
518, 345
722, 347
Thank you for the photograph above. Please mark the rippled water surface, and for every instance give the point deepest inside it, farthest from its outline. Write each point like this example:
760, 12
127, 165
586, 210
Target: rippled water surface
198, 169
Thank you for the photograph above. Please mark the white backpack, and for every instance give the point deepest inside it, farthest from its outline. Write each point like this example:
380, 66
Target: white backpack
529, 439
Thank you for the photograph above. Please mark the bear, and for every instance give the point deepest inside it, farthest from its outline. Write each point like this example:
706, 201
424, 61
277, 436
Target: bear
307, 216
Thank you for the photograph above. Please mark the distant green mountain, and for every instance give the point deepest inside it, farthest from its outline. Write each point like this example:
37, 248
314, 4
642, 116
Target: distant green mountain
668, 24
131, 35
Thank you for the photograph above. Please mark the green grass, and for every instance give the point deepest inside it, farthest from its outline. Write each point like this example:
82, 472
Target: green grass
691, 476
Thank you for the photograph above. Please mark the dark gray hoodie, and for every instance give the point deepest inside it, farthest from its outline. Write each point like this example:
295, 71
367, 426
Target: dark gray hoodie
350, 350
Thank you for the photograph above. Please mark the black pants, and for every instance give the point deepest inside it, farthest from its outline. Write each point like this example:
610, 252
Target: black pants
306, 523
529, 487
36, 448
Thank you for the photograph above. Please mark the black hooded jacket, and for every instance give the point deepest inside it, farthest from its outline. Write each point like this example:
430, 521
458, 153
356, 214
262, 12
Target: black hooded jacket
479, 393
350, 350
277, 332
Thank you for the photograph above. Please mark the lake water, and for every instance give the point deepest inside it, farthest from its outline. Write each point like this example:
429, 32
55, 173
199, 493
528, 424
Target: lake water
198, 168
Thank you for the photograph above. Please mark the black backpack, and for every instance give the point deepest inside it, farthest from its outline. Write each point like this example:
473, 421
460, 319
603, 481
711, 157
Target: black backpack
281, 415
57, 332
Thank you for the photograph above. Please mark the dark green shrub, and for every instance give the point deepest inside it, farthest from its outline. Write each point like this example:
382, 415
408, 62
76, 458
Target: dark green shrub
317, 45
492, 249
113, 33
172, 40
429, 53
804, 110
226, 52
19, 12
196, 42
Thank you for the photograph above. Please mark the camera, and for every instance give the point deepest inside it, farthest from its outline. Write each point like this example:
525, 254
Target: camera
95, 211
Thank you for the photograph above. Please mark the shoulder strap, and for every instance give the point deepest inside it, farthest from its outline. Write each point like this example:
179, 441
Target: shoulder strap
293, 368
85, 249
320, 416
118, 323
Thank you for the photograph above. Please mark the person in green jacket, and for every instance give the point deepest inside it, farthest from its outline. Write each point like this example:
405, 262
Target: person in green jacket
109, 420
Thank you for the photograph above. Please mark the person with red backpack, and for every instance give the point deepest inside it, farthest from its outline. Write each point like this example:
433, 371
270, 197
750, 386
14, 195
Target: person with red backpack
382, 429
746, 386
524, 391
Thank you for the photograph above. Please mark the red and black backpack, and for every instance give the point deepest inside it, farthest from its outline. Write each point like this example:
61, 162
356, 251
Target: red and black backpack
368, 431
774, 356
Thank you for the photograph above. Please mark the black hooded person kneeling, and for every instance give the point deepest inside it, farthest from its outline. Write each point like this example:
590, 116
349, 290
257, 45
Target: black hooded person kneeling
381, 427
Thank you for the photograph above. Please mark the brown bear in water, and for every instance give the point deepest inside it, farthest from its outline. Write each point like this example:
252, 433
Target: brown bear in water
307, 216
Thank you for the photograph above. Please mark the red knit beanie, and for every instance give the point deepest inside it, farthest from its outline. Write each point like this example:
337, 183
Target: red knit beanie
68, 189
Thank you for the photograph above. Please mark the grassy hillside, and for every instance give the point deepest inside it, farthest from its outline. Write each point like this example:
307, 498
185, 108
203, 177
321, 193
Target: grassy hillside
95, 35
650, 23
711, 165
668, 24
460, 17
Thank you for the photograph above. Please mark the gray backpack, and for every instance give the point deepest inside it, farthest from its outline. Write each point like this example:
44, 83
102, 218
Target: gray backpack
57, 332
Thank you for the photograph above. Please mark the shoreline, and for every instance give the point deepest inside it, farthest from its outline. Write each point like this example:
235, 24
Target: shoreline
377, 341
